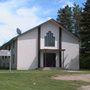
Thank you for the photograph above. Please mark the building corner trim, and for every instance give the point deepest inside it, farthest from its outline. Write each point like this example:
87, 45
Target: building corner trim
60, 45
39, 32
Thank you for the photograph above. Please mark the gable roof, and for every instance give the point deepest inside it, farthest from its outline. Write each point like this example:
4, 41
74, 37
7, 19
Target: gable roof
51, 20
56, 23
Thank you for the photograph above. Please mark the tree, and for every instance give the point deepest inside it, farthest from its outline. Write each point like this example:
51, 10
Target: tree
65, 17
85, 35
76, 19
85, 24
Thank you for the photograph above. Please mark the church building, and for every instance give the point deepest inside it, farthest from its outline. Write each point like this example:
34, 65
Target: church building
46, 45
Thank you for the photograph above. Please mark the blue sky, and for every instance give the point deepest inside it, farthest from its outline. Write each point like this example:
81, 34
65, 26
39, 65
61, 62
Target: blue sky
26, 14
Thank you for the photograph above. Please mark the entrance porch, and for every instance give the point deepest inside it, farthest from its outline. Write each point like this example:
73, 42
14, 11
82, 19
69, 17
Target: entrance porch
52, 58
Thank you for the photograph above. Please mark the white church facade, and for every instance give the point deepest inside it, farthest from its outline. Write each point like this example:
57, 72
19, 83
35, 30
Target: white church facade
46, 45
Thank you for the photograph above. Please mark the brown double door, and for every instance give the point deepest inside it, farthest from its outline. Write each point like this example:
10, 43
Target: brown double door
49, 60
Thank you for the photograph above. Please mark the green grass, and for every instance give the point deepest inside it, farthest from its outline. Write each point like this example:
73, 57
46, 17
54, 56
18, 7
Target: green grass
37, 80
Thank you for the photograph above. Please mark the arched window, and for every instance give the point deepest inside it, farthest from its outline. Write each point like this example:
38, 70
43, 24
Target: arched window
49, 39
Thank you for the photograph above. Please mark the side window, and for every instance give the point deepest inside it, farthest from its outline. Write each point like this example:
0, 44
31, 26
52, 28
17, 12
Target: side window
49, 39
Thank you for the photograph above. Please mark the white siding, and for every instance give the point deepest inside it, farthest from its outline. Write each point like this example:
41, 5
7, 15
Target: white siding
27, 48
49, 26
27, 51
71, 55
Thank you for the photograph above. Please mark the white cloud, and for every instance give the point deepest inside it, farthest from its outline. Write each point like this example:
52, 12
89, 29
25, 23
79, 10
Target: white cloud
17, 13
14, 14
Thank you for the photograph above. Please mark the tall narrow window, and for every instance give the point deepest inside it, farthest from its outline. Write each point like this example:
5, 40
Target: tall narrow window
49, 39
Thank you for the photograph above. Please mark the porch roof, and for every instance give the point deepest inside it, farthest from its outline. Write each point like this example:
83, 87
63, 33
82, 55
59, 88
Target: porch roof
52, 50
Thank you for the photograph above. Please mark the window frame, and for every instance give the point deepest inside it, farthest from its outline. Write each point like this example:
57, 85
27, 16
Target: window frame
49, 39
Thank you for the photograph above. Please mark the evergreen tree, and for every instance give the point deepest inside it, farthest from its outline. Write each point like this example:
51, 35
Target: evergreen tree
85, 24
65, 17
76, 19
85, 35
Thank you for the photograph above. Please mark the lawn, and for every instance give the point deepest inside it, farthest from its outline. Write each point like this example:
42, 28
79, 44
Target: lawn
37, 80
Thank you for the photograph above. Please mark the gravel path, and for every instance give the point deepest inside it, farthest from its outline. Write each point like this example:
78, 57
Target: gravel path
84, 88
82, 77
